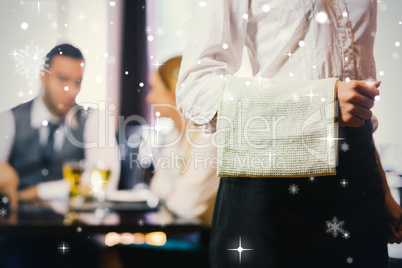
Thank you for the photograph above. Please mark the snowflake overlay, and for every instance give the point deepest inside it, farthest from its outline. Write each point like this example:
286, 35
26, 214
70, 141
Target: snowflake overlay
335, 227
30, 62
5, 200
3, 212
293, 189
85, 113
345, 147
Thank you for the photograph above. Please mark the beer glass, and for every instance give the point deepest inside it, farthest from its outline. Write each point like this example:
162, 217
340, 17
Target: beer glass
72, 172
100, 176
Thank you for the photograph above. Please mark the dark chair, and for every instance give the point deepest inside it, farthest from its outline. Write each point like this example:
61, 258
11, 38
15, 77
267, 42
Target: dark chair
133, 171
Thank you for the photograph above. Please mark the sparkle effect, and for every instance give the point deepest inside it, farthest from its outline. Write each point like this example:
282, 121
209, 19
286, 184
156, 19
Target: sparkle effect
259, 78
346, 235
335, 227
289, 54
312, 179
63, 248
321, 17
293, 189
395, 55
240, 249
157, 126
330, 139
311, 95
162, 224
81, 17
140, 222
157, 64
96, 179
96, 189
344, 183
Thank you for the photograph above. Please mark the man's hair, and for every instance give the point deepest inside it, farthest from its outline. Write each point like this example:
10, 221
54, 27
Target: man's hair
62, 50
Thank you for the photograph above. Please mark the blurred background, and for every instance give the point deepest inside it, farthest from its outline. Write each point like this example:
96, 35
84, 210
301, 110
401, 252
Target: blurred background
123, 41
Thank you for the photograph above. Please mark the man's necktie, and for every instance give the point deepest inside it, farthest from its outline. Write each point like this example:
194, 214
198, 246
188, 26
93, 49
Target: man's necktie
48, 149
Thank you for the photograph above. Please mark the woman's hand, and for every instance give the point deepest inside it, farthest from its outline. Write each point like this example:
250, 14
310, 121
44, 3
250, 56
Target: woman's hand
394, 213
355, 99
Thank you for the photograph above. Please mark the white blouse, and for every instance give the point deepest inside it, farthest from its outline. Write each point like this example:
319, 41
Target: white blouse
185, 176
286, 39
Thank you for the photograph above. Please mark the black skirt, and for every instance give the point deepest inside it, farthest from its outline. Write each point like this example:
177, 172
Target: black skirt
299, 223
332, 221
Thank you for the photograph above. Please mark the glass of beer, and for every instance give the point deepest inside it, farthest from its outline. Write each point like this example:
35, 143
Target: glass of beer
100, 177
72, 172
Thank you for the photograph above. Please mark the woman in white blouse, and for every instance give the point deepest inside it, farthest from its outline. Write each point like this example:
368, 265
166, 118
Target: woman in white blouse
185, 176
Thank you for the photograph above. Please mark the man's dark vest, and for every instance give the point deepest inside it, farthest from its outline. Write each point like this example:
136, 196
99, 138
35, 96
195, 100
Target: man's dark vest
27, 154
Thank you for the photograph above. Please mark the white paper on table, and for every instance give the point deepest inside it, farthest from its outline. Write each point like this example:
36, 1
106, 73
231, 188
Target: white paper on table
49, 190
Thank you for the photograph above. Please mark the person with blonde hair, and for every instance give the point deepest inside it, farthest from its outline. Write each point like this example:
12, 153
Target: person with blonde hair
184, 179
188, 186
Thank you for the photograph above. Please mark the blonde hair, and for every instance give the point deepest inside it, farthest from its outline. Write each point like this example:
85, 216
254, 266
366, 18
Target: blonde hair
169, 72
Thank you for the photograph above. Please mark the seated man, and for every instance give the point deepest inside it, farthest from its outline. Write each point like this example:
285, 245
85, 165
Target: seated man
41, 135
50, 129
